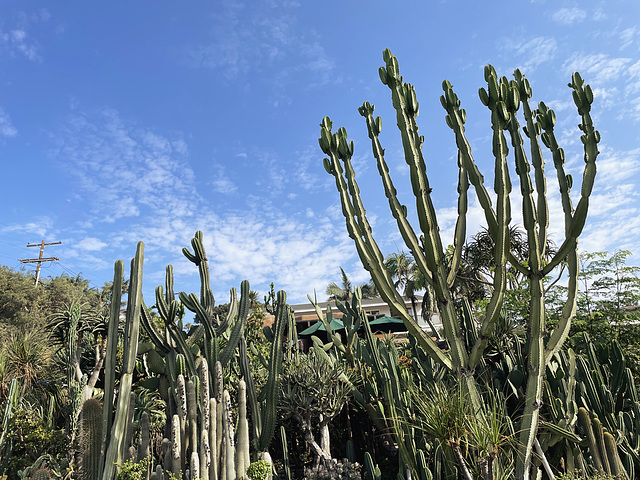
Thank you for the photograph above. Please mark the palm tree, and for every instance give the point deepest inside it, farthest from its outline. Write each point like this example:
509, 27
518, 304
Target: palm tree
409, 280
340, 292
345, 290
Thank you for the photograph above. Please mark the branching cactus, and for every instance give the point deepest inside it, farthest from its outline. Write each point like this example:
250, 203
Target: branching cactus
504, 99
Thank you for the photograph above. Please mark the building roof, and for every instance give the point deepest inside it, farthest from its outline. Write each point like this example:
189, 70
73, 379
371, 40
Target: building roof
367, 303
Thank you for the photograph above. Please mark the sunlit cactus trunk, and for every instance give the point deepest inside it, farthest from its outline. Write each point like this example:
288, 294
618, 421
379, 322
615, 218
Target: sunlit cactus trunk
504, 99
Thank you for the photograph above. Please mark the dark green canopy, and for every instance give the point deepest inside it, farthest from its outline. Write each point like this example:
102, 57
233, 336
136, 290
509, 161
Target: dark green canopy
335, 325
385, 321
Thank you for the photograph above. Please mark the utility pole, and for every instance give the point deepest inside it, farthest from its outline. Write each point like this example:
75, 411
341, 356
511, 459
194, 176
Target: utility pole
40, 259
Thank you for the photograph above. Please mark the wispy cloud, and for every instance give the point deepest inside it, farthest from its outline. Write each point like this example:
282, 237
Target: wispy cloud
569, 16
16, 41
122, 170
6, 127
40, 227
141, 181
258, 37
530, 53
627, 36
220, 182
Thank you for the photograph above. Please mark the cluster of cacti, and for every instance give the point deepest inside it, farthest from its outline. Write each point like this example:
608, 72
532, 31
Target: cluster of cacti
200, 436
202, 443
504, 99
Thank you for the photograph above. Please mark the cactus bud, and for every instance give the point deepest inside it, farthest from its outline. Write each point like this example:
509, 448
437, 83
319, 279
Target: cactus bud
378, 125
484, 97
327, 165
588, 93
383, 75
448, 120
514, 99
493, 88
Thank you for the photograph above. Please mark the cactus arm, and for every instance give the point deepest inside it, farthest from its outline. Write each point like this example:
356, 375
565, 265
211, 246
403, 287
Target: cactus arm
134, 304
461, 223
455, 119
501, 114
111, 358
256, 417
399, 211
116, 450
238, 328
583, 98
404, 101
532, 131
272, 386
151, 330
368, 251
406, 106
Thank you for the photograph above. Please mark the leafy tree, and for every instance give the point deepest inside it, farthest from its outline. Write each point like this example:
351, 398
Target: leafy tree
313, 392
608, 303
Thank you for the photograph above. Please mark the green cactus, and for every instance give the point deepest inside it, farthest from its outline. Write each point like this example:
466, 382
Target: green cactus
372, 471
41, 474
90, 438
504, 100
116, 442
285, 453
243, 459
602, 446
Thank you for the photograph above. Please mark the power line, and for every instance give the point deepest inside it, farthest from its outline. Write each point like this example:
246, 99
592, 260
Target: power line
40, 258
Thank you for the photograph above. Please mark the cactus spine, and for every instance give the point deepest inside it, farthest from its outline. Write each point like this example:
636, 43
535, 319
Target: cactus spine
504, 99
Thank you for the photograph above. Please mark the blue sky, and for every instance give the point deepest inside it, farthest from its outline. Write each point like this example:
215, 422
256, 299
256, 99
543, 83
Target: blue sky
127, 121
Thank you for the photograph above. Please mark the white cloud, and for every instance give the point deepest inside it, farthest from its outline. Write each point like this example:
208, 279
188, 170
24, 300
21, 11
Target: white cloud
627, 36
141, 181
569, 16
91, 244
16, 40
530, 53
251, 38
599, 67
122, 169
6, 127
41, 227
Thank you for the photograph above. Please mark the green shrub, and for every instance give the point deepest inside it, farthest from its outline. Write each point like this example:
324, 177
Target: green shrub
259, 470
31, 439
132, 470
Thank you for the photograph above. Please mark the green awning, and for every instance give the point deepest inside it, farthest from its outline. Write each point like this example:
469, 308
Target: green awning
385, 321
335, 325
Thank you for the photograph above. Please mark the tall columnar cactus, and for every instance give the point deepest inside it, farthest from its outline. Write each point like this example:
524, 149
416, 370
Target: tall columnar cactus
116, 442
504, 99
